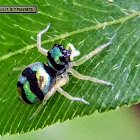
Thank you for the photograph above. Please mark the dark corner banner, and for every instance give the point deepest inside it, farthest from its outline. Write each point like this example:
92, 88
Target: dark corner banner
18, 9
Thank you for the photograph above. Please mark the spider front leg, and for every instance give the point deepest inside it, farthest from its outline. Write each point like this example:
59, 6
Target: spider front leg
83, 77
83, 60
40, 49
88, 56
74, 52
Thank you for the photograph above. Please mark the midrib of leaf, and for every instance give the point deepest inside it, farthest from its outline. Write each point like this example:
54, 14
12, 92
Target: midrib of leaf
62, 36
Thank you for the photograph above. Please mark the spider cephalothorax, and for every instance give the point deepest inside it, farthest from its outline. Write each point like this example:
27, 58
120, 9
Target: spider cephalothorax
58, 59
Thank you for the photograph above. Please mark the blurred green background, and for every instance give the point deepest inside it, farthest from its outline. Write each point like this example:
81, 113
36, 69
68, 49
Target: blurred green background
122, 124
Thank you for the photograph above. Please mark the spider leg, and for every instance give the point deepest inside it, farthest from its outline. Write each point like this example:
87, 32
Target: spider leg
60, 90
88, 56
58, 84
47, 96
83, 77
74, 52
40, 49
17, 69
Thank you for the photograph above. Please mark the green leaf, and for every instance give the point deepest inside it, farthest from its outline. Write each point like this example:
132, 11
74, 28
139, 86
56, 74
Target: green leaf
85, 24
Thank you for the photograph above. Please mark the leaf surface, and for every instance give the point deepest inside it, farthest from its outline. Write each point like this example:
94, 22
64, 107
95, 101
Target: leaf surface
85, 24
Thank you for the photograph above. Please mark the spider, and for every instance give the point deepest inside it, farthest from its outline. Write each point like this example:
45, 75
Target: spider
40, 81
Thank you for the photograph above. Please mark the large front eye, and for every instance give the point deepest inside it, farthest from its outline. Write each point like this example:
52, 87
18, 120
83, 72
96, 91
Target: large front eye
64, 52
65, 56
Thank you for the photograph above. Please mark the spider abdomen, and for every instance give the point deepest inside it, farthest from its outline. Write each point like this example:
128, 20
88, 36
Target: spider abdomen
34, 82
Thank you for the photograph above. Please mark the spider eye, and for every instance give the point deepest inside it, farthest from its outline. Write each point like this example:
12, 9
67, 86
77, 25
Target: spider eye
65, 56
64, 52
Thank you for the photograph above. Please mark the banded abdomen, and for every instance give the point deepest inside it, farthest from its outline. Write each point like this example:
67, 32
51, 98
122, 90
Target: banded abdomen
34, 82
